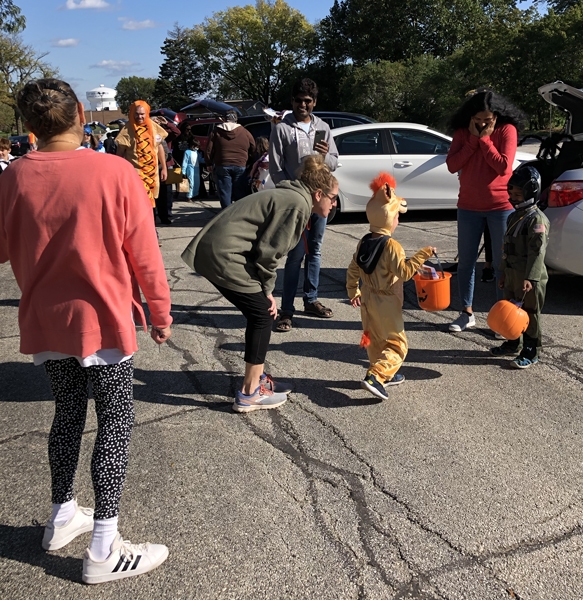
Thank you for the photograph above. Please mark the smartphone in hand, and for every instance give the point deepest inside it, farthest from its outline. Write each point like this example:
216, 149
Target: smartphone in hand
319, 137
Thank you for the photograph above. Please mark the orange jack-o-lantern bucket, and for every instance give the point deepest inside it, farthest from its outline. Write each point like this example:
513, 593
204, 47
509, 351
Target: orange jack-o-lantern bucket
508, 319
433, 294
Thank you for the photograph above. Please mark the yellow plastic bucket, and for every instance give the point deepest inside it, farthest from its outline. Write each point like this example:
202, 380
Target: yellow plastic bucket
433, 294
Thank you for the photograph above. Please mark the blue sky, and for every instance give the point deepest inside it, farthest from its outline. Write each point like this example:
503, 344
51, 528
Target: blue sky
95, 42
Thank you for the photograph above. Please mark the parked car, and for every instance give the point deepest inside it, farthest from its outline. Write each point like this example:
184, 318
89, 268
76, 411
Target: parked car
414, 154
19, 145
560, 163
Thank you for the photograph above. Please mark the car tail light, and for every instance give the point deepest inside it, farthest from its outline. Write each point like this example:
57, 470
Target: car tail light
564, 193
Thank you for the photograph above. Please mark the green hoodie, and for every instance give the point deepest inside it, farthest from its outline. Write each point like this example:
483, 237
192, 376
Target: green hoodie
241, 247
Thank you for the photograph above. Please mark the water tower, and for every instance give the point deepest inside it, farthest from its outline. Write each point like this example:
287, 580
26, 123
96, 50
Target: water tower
102, 98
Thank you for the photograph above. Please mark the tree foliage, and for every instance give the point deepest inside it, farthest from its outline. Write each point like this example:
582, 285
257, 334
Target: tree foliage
181, 74
251, 51
130, 89
11, 19
19, 63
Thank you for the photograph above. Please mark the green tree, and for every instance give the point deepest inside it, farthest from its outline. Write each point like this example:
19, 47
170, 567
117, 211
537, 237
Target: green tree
11, 19
7, 121
181, 76
130, 89
19, 63
251, 51
373, 30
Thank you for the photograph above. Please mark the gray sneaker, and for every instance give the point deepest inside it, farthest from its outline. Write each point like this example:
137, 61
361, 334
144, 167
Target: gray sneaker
464, 321
261, 398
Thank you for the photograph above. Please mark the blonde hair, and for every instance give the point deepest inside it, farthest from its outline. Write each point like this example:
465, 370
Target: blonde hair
315, 174
49, 106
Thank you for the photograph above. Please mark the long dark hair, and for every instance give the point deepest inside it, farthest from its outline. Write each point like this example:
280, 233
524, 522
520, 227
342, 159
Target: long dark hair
485, 99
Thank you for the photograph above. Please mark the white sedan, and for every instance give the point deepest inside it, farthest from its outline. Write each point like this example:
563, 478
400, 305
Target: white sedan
413, 154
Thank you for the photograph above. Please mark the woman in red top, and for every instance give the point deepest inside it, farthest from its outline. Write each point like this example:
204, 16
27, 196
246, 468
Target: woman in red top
77, 229
482, 153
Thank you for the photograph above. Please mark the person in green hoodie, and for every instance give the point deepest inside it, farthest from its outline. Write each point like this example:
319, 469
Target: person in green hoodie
238, 252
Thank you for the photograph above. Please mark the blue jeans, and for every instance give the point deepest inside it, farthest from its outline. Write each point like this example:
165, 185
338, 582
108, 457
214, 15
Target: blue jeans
470, 227
291, 273
231, 183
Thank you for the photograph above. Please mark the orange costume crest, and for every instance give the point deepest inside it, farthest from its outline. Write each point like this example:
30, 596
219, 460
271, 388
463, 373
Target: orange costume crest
383, 207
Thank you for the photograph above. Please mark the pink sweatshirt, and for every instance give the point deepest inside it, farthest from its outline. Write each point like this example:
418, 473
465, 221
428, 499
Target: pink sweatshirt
74, 226
485, 166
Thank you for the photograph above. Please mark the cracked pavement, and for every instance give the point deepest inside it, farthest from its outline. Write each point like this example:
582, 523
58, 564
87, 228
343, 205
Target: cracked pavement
465, 484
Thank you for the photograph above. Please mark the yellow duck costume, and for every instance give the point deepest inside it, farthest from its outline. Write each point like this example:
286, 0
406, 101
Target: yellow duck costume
379, 262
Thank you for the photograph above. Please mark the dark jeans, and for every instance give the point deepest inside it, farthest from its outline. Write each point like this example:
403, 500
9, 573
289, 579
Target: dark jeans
162, 202
231, 182
255, 309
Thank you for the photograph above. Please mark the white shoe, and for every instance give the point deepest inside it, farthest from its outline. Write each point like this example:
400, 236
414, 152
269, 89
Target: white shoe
125, 560
499, 336
464, 321
58, 537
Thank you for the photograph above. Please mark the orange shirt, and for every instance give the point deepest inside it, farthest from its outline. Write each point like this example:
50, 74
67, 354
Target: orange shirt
77, 228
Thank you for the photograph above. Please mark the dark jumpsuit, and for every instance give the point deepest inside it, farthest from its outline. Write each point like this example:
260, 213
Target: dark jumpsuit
525, 243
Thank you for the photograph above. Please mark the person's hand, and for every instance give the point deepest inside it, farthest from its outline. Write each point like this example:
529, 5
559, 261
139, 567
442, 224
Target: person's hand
321, 147
489, 129
160, 334
272, 310
502, 281
526, 285
473, 129
163, 173
355, 302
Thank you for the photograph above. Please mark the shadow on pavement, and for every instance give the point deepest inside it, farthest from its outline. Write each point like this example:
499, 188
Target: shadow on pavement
23, 545
23, 382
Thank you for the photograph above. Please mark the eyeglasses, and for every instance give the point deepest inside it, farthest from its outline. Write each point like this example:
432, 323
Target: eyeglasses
306, 101
332, 197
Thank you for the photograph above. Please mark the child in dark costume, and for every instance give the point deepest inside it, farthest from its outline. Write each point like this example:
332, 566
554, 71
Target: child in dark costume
523, 263
379, 262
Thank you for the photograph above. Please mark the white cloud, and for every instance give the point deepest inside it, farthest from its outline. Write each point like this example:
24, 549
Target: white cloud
135, 25
72, 5
117, 67
66, 43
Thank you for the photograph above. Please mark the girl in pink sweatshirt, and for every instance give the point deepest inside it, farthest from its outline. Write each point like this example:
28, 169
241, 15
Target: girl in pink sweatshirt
77, 228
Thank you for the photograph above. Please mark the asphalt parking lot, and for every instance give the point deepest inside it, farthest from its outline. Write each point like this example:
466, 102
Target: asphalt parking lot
465, 484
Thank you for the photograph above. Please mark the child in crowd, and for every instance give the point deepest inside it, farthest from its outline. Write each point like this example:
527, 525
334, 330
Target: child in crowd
523, 263
191, 168
259, 175
5, 157
380, 263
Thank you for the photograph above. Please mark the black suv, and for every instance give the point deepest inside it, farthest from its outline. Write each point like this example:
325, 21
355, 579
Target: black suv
19, 145
258, 126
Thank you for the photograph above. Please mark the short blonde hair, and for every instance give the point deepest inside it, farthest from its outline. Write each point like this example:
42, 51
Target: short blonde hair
315, 174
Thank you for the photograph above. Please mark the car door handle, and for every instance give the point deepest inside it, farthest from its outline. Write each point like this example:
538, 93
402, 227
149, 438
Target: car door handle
338, 165
405, 163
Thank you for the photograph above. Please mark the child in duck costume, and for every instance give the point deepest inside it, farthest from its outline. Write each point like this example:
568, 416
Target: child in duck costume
379, 262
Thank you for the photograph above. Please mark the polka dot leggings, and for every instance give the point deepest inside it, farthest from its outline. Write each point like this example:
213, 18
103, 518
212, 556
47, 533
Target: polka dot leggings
113, 392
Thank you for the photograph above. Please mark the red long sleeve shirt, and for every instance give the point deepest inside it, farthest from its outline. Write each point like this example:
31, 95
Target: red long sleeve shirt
484, 166
77, 228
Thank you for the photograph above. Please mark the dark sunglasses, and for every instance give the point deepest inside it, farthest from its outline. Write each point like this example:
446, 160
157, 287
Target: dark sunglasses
306, 101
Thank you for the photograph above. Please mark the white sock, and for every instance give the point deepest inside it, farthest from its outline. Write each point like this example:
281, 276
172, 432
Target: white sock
104, 532
63, 513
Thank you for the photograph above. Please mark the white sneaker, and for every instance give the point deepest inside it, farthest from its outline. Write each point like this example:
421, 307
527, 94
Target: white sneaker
464, 321
58, 537
498, 336
126, 560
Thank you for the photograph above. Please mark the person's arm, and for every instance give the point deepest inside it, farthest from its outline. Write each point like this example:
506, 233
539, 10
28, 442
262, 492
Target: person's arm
162, 163
500, 156
331, 157
185, 160
460, 151
141, 247
276, 154
352, 280
538, 237
404, 268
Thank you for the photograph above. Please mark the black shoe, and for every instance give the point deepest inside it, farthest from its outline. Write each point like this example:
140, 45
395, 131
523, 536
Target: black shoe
506, 349
376, 388
487, 274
